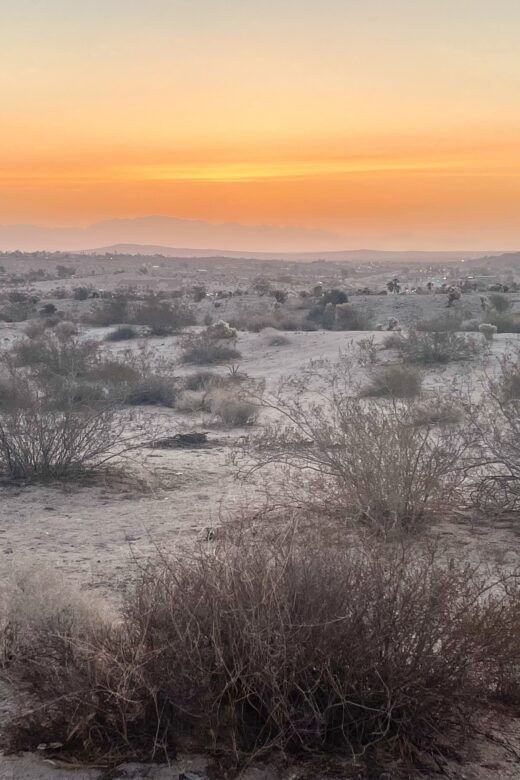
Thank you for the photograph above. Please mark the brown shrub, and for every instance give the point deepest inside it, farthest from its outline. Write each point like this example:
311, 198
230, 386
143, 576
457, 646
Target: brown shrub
201, 351
395, 381
362, 461
232, 409
366, 651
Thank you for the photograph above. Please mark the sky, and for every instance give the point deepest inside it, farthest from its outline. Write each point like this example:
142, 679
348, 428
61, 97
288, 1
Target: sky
394, 123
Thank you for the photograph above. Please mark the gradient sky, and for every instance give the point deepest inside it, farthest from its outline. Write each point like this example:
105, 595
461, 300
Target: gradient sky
393, 122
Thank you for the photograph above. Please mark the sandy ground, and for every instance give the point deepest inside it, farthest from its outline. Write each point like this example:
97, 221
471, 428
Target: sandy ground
93, 532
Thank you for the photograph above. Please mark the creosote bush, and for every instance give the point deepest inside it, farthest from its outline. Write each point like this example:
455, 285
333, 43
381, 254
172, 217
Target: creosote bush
394, 381
261, 648
362, 461
122, 333
41, 439
437, 347
202, 351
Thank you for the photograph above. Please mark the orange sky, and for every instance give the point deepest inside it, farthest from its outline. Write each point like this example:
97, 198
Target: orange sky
394, 123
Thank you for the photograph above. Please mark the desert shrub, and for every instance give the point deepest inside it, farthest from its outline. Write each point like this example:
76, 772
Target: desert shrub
122, 333
51, 357
162, 318
65, 330
348, 317
113, 372
194, 401
18, 312
343, 316
110, 311
396, 381
35, 329
495, 427
357, 652
254, 323
437, 347
81, 293
40, 441
233, 410
48, 309
203, 380
439, 410
202, 352
505, 322
448, 321
488, 331
278, 341
359, 460
335, 297
501, 303
393, 341
152, 391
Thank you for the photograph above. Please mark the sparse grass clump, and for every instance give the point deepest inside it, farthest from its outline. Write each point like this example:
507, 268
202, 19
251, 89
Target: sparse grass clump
395, 381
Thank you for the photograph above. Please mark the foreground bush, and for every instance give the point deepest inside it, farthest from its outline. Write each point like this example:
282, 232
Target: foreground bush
259, 648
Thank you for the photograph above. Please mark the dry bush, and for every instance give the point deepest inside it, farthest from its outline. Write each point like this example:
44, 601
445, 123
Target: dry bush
442, 322
35, 329
359, 460
152, 391
437, 347
201, 351
203, 380
232, 409
65, 330
254, 649
393, 341
193, 401
505, 322
162, 318
343, 316
495, 424
51, 357
279, 320
122, 333
278, 341
440, 410
394, 381
45, 436
500, 303
487, 330
110, 311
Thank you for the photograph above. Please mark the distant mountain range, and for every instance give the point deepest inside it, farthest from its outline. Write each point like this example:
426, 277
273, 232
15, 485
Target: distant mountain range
168, 232
175, 237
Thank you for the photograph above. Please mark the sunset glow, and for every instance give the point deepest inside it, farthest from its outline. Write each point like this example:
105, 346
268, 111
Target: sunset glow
393, 123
